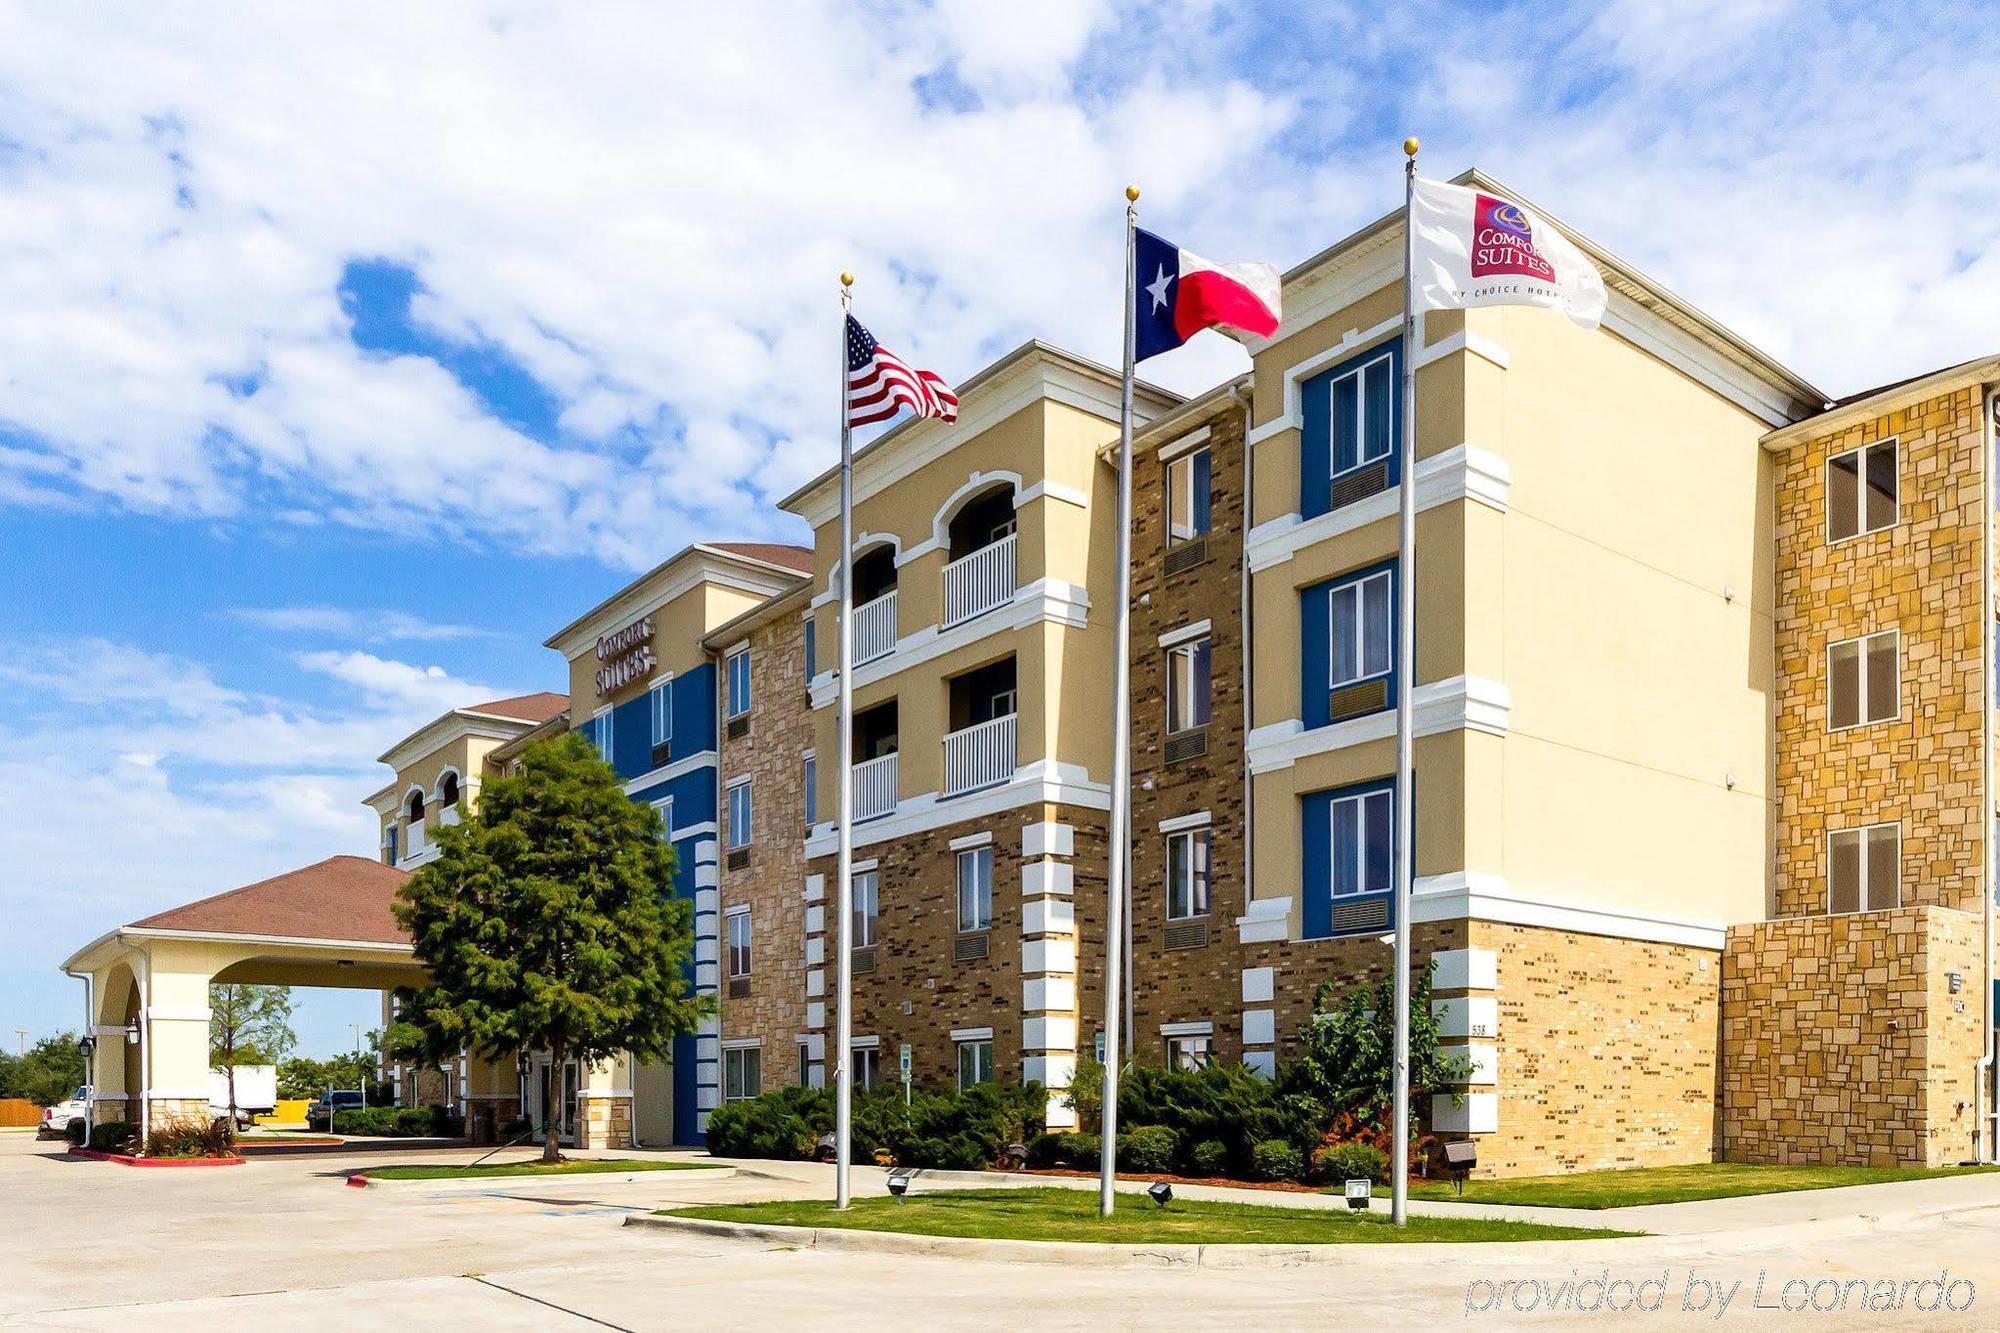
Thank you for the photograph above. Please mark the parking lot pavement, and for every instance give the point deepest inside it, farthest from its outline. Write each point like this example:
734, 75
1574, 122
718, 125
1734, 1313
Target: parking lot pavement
280, 1243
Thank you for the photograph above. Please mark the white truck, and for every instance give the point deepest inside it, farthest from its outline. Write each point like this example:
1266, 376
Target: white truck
256, 1092
56, 1119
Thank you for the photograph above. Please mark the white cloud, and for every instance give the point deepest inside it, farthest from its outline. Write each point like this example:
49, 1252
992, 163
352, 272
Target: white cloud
373, 626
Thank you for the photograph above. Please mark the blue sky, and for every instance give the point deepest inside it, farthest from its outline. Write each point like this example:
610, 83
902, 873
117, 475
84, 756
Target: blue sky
345, 357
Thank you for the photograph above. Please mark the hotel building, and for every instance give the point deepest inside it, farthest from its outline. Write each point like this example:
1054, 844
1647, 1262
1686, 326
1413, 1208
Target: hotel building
1703, 690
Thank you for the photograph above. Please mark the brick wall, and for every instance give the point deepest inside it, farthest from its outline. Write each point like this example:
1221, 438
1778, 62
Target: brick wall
1921, 577
773, 881
1202, 983
1842, 1044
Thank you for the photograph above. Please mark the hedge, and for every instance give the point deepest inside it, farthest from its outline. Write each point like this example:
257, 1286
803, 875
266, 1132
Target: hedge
399, 1122
965, 1131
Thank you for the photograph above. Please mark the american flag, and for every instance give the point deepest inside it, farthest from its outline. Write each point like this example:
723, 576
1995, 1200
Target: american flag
881, 384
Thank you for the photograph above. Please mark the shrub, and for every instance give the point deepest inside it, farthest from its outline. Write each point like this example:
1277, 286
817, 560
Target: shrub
1227, 1103
1276, 1159
398, 1122
966, 1131
1350, 1161
114, 1136
1046, 1150
1147, 1149
76, 1131
1085, 1094
192, 1136
1210, 1157
1082, 1151
784, 1124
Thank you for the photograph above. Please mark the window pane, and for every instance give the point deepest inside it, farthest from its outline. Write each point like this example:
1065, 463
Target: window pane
1346, 846
1199, 488
1881, 677
1180, 501
1881, 486
1376, 415
1883, 869
753, 1072
1178, 867
1179, 688
1346, 660
1375, 625
812, 792
1842, 496
1198, 692
1198, 883
1379, 846
1843, 684
1346, 451
975, 889
1844, 873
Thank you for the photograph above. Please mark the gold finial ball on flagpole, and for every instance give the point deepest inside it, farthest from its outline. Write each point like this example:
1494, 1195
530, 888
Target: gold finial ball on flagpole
1411, 145
846, 278
1132, 194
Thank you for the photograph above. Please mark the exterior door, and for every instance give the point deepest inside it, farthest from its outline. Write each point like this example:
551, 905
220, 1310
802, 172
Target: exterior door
572, 1083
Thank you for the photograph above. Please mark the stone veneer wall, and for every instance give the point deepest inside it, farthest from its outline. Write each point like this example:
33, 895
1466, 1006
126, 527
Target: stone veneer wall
606, 1121
1842, 1042
1920, 577
772, 1014
1201, 983
918, 993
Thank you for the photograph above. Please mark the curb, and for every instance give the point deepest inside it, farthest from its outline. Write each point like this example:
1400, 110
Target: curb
1088, 1254
362, 1180
91, 1154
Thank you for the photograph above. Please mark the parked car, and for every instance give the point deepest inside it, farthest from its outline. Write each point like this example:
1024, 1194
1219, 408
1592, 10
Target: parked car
319, 1113
56, 1119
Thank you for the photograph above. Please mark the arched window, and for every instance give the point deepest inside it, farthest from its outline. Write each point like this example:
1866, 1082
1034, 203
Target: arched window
448, 790
413, 809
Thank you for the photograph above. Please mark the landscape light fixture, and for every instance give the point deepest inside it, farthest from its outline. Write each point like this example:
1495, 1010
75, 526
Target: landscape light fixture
1360, 1193
1461, 1156
1161, 1193
899, 1186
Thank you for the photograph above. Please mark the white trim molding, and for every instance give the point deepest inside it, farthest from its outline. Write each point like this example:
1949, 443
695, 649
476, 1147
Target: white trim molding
1184, 634
972, 1034
1182, 823
1201, 1029
1054, 600
668, 772
1265, 920
1462, 703
1477, 896
1042, 782
1462, 472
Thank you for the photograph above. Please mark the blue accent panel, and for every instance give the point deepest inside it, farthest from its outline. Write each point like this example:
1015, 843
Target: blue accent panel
632, 737
694, 710
1316, 857
685, 1109
1315, 641
1325, 451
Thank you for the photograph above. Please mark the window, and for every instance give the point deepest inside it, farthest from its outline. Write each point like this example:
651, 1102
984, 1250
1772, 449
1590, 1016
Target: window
1361, 843
1348, 439
738, 927
1864, 868
1861, 680
742, 1073
739, 814
867, 903
1188, 684
867, 1066
739, 683
1358, 646
812, 646
389, 845
665, 805
1362, 415
812, 790
600, 732
660, 704
1190, 1053
1861, 491
975, 889
1187, 874
975, 1063
1187, 496
448, 791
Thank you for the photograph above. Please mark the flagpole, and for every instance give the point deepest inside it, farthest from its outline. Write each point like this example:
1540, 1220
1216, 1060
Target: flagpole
1406, 669
843, 901
1116, 854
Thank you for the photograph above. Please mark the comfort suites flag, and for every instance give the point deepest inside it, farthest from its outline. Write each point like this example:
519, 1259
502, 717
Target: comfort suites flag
1475, 248
1178, 294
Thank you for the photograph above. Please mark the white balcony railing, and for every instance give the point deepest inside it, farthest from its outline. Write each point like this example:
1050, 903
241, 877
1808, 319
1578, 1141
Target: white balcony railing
413, 840
875, 628
875, 787
979, 756
976, 583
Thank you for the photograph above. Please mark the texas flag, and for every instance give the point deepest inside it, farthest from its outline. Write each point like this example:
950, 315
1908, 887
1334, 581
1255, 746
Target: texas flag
1180, 294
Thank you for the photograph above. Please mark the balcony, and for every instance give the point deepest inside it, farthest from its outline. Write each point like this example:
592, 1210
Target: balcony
875, 788
977, 583
875, 628
979, 756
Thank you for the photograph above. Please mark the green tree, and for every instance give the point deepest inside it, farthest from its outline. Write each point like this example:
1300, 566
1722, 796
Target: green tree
248, 1025
46, 1072
304, 1077
1345, 1047
547, 925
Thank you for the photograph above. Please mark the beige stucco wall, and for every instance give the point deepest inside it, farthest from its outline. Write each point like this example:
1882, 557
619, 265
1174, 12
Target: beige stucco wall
678, 627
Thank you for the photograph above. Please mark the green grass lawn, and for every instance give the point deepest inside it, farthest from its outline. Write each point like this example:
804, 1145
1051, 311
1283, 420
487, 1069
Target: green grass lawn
1670, 1184
1071, 1214
576, 1166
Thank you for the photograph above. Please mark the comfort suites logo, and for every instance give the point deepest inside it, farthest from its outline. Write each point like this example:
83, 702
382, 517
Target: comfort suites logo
1503, 242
